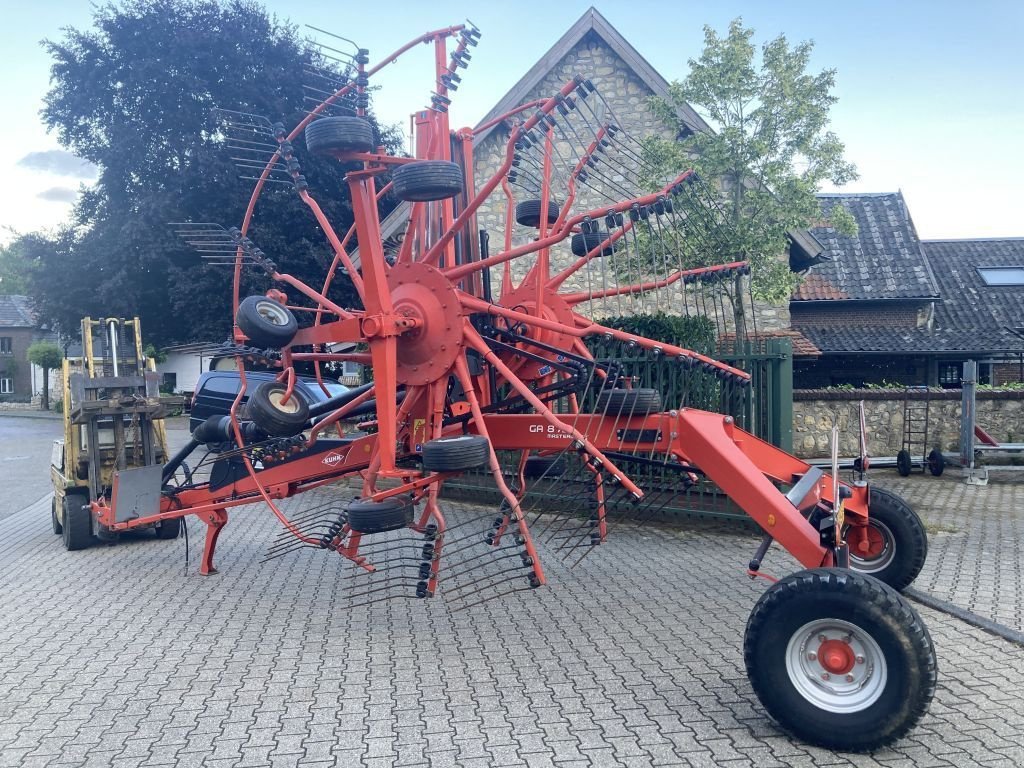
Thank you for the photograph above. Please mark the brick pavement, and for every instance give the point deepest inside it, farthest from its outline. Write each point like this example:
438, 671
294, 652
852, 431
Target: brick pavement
118, 656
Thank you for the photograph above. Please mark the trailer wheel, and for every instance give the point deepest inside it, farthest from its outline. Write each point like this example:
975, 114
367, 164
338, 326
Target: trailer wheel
628, 402
266, 407
77, 525
169, 529
528, 212
840, 659
548, 467
897, 540
339, 134
427, 180
936, 462
904, 463
456, 453
57, 528
584, 242
365, 516
266, 322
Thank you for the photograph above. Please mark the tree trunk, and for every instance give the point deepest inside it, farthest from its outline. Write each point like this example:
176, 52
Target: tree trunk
45, 405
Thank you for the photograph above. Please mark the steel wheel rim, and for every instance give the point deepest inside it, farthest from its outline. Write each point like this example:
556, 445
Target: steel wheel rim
276, 399
884, 559
836, 666
272, 312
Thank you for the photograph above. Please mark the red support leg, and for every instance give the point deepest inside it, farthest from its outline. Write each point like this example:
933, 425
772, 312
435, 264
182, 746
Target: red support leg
215, 521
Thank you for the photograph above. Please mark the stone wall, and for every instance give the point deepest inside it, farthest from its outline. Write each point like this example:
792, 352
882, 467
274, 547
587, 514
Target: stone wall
1000, 413
627, 98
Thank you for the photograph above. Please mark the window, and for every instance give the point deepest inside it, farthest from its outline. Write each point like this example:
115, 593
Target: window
6, 345
1002, 275
351, 368
949, 375
6, 386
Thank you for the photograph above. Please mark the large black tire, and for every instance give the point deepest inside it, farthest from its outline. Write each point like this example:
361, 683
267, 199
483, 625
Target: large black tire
169, 529
584, 242
58, 529
904, 463
629, 402
427, 180
528, 212
899, 539
365, 516
266, 322
77, 525
839, 659
936, 462
456, 453
339, 134
548, 467
277, 419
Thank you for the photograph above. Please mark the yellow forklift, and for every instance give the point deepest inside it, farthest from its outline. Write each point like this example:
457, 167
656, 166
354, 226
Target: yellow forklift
113, 420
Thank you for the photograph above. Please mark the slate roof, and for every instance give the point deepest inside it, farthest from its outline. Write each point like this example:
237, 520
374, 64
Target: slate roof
984, 314
878, 340
16, 312
883, 261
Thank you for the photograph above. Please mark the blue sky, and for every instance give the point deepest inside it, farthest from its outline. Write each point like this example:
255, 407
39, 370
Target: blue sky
931, 93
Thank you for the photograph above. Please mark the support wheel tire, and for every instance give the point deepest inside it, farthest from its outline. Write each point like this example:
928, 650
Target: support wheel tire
547, 467
629, 402
528, 212
275, 417
57, 528
77, 525
936, 462
266, 322
365, 516
339, 134
904, 463
584, 242
898, 541
427, 180
456, 453
839, 659
169, 529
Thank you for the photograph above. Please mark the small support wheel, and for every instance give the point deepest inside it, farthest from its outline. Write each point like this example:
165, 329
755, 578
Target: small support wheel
169, 529
840, 659
897, 541
339, 134
547, 467
456, 453
269, 411
936, 462
77, 525
57, 528
904, 463
266, 322
528, 212
583, 243
629, 402
427, 180
366, 516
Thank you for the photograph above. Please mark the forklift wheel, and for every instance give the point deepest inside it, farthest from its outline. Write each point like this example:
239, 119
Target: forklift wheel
77, 526
57, 528
169, 529
903, 463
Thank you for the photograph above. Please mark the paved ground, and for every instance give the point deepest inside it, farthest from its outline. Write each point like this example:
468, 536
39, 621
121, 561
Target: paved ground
122, 656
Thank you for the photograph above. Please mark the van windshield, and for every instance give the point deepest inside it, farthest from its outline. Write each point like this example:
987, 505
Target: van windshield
314, 390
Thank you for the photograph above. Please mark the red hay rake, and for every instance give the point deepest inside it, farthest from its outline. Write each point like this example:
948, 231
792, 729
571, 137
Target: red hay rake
463, 370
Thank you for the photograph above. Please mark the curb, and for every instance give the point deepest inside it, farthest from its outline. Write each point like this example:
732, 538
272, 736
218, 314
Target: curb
992, 627
54, 415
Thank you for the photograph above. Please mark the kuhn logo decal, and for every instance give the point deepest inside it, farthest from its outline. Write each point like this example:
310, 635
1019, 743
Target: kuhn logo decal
332, 458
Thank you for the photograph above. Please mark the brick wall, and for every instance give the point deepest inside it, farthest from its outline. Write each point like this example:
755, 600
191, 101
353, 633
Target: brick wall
900, 316
17, 362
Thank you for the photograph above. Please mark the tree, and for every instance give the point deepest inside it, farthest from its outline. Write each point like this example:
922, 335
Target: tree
13, 269
47, 356
134, 95
770, 150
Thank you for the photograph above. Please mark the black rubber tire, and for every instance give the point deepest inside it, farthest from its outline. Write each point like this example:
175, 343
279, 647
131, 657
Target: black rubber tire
266, 322
427, 180
936, 462
77, 525
365, 516
58, 529
629, 402
265, 410
789, 608
584, 242
905, 541
456, 453
528, 212
169, 529
548, 467
904, 463
339, 134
